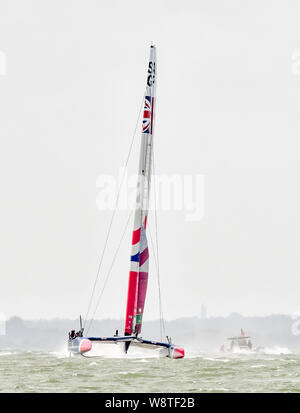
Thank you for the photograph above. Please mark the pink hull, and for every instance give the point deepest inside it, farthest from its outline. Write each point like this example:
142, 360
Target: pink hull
85, 345
178, 353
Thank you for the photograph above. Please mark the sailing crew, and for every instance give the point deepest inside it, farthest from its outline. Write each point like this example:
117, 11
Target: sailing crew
72, 335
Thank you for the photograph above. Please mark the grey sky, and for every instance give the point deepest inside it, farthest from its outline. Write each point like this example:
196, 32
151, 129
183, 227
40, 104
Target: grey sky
227, 108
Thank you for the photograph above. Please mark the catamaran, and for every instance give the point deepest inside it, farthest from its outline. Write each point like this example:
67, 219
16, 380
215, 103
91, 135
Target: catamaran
139, 260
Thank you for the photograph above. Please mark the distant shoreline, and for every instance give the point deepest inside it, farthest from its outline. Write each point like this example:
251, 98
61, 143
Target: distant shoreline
197, 333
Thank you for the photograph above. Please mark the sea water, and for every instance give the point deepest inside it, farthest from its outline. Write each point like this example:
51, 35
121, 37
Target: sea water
276, 370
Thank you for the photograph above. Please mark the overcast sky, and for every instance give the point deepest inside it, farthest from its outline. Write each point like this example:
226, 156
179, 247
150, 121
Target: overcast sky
228, 102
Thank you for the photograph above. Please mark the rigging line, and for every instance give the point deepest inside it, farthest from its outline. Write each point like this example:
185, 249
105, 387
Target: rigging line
113, 215
157, 255
152, 243
110, 269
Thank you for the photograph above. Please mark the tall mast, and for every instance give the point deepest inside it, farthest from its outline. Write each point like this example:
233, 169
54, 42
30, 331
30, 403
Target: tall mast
139, 261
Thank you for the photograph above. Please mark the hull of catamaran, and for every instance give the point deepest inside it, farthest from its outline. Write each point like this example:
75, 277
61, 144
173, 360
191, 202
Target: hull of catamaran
79, 345
89, 346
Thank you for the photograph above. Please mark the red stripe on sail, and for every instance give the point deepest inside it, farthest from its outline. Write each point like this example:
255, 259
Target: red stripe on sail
136, 236
131, 300
145, 222
142, 289
144, 256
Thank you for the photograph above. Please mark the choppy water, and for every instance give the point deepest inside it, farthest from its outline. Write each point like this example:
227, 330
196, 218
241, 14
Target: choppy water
57, 372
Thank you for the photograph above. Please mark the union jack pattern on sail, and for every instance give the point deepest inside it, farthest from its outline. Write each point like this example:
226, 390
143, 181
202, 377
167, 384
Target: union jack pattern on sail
148, 115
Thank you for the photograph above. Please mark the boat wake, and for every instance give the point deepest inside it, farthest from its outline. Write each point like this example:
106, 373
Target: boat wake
7, 353
276, 350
